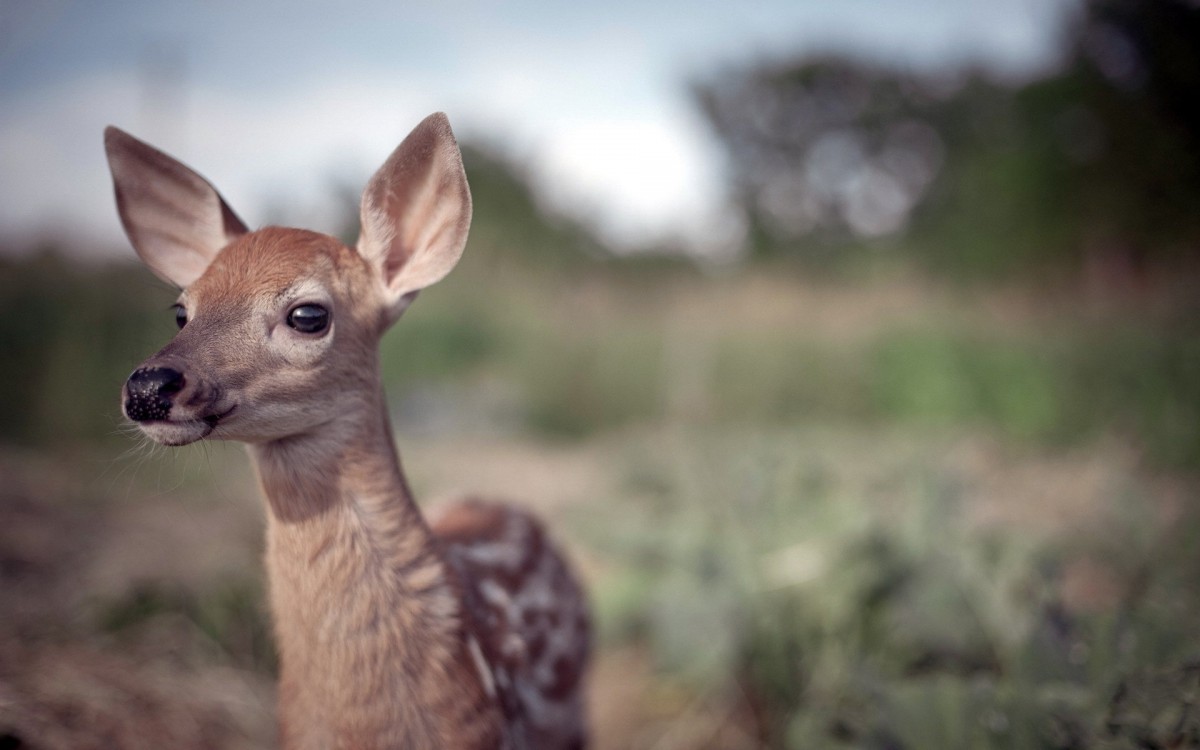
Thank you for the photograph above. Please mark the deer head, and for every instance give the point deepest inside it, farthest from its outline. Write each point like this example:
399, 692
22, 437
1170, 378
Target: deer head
279, 328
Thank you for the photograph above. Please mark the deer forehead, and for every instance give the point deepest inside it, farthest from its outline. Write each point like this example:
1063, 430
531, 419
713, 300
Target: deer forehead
278, 266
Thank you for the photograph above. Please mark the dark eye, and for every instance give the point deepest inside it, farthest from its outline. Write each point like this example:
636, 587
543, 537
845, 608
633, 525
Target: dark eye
308, 318
180, 315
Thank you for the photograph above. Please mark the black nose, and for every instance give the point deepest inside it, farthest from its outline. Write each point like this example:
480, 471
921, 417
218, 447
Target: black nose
148, 393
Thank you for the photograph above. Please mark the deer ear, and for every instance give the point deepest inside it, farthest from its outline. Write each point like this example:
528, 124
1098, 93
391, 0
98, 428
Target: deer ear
416, 212
176, 220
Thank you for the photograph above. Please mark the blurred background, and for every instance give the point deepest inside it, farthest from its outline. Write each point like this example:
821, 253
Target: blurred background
852, 349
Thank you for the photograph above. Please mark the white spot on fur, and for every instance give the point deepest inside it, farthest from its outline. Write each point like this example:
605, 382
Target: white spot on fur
485, 672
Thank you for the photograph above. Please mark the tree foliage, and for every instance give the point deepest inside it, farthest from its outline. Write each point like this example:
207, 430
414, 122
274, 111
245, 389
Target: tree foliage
1097, 160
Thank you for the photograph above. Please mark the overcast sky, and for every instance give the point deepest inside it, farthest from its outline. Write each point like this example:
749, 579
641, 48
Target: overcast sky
274, 101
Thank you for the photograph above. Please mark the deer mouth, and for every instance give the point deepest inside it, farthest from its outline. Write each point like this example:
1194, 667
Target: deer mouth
212, 420
177, 432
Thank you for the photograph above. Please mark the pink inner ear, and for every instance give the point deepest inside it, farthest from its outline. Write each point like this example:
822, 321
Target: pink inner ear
175, 219
395, 261
416, 209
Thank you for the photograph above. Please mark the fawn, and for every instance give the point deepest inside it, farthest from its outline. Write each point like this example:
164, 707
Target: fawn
468, 631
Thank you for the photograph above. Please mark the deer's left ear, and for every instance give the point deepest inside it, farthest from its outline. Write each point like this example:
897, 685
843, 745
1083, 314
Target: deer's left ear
176, 221
416, 212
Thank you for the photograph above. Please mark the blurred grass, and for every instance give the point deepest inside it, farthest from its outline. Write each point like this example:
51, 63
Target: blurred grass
858, 606
70, 335
626, 360
231, 618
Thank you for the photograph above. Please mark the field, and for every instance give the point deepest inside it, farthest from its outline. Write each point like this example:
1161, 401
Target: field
870, 511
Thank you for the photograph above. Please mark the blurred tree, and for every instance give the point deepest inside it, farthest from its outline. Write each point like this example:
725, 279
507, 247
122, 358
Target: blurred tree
825, 148
1135, 133
1094, 164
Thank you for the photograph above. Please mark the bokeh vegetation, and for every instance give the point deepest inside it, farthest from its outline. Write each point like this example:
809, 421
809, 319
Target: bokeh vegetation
1092, 166
919, 472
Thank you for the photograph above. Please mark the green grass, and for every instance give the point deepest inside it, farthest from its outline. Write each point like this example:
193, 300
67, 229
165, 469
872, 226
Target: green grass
856, 607
228, 617
1066, 383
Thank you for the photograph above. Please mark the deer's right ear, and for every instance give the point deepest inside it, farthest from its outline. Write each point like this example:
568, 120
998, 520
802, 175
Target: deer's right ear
416, 212
176, 220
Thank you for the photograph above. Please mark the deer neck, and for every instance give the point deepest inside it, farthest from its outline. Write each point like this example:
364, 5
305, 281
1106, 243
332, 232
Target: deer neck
367, 621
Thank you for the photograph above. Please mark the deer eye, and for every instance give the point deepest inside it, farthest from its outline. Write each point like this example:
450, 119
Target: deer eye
308, 318
180, 315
